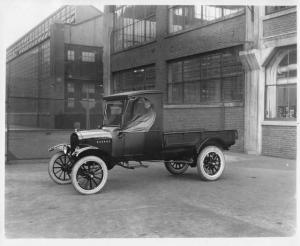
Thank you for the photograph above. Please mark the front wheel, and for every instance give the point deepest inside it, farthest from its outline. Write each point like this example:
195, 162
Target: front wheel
176, 167
59, 168
210, 163
89, 175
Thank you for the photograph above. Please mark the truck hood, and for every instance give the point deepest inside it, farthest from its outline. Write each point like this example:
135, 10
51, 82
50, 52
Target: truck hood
97, 133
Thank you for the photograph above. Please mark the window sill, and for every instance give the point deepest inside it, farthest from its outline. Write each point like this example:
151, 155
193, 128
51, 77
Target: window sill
278, 123
215, 105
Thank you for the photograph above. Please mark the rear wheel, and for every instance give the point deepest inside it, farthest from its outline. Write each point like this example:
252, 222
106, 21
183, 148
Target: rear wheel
176, 167
89, 175
59, 168
210, 163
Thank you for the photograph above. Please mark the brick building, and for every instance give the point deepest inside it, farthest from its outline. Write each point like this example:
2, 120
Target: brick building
54, 72
216, 66
270, 62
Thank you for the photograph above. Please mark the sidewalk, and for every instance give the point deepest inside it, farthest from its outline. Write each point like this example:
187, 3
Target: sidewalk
260, 161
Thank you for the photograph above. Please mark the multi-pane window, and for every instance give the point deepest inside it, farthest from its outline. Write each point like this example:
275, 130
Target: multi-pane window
45, 59
88, 56
274, 9
88, 91
70, 95
30, 69
65, 14
25, 70
207, 78
133, 25
80, 95
281, 86
71, 55
182, 17
141, 78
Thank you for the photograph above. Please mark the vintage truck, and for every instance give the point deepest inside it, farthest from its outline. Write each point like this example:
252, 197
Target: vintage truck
132, 132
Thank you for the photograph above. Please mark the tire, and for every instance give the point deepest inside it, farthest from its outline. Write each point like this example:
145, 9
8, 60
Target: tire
210, 163
59, 168
89, 175
176, 168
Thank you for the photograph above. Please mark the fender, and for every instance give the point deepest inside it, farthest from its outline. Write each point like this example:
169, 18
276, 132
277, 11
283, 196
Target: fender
213, 141
62, 147
77, 152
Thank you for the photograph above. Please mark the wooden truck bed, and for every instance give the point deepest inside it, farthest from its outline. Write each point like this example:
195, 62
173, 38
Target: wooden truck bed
179, 139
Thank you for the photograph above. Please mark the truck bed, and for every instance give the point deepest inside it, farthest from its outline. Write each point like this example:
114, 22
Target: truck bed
189, 139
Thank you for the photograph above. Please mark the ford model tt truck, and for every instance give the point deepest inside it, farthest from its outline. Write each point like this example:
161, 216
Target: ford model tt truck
132, 130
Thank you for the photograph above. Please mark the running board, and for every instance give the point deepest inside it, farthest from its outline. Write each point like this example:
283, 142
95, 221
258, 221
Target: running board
179, 161
127, 166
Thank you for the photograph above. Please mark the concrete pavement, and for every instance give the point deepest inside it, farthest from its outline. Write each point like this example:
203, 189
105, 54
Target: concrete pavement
255, 197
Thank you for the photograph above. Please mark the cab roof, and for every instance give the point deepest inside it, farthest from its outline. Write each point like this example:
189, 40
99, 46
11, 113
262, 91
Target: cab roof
128, 94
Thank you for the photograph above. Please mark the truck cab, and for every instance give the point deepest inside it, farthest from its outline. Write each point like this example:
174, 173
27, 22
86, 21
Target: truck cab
136, 121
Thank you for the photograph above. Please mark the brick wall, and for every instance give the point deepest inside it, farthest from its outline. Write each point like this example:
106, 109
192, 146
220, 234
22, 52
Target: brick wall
279, 141
226, 33
280, 25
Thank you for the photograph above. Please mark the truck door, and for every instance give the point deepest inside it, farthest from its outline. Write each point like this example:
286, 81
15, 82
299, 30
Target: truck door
140, 120
134, 143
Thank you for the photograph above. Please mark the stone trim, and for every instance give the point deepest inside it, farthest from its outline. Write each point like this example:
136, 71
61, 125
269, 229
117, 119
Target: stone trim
278, 123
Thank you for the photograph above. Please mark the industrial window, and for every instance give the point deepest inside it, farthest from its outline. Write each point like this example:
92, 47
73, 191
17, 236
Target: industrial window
133, 25
207, 78
40, 32
182, 17
70, 95
141, 78
71, 55
281, 86
274, 9
45, 59
88, 56
88, 91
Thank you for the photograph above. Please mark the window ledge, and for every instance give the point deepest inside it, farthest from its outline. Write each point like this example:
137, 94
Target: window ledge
216, 105
278, 123
280, 35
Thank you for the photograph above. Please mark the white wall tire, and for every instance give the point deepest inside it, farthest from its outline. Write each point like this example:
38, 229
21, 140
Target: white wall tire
59, 168
89, 175
176, 168
210, 163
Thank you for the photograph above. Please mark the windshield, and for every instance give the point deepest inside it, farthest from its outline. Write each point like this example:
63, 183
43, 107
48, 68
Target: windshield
113, 113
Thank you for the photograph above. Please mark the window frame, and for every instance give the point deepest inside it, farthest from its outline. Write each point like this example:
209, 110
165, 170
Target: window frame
203, 80
88, 56
117, 77
118, 31
70, 55
271, 74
